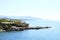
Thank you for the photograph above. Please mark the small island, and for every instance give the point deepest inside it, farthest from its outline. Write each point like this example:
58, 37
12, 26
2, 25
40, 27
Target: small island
7, 24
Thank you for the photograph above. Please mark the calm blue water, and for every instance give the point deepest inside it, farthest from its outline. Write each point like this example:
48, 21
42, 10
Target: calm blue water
42, 34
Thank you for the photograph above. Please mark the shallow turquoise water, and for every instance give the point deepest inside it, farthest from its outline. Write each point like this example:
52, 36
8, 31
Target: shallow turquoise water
42, 34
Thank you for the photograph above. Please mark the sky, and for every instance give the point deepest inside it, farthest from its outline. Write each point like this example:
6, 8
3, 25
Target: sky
46, 9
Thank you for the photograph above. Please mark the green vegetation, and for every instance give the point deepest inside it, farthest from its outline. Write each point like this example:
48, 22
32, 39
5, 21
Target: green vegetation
7, 24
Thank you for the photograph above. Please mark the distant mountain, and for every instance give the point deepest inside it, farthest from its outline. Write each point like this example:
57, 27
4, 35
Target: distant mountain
21, 17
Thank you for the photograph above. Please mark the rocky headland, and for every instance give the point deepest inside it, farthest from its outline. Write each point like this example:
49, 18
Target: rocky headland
16, 25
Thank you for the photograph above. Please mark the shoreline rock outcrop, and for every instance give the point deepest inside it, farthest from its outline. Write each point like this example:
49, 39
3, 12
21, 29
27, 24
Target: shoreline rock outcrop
16, 25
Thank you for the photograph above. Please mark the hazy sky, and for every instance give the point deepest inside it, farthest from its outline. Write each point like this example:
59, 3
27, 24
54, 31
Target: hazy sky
46, 9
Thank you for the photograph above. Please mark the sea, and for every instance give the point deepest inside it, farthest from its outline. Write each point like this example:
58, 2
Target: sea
41, 34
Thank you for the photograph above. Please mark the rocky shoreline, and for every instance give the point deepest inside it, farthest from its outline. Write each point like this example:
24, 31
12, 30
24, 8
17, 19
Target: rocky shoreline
16, 25
24, 28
